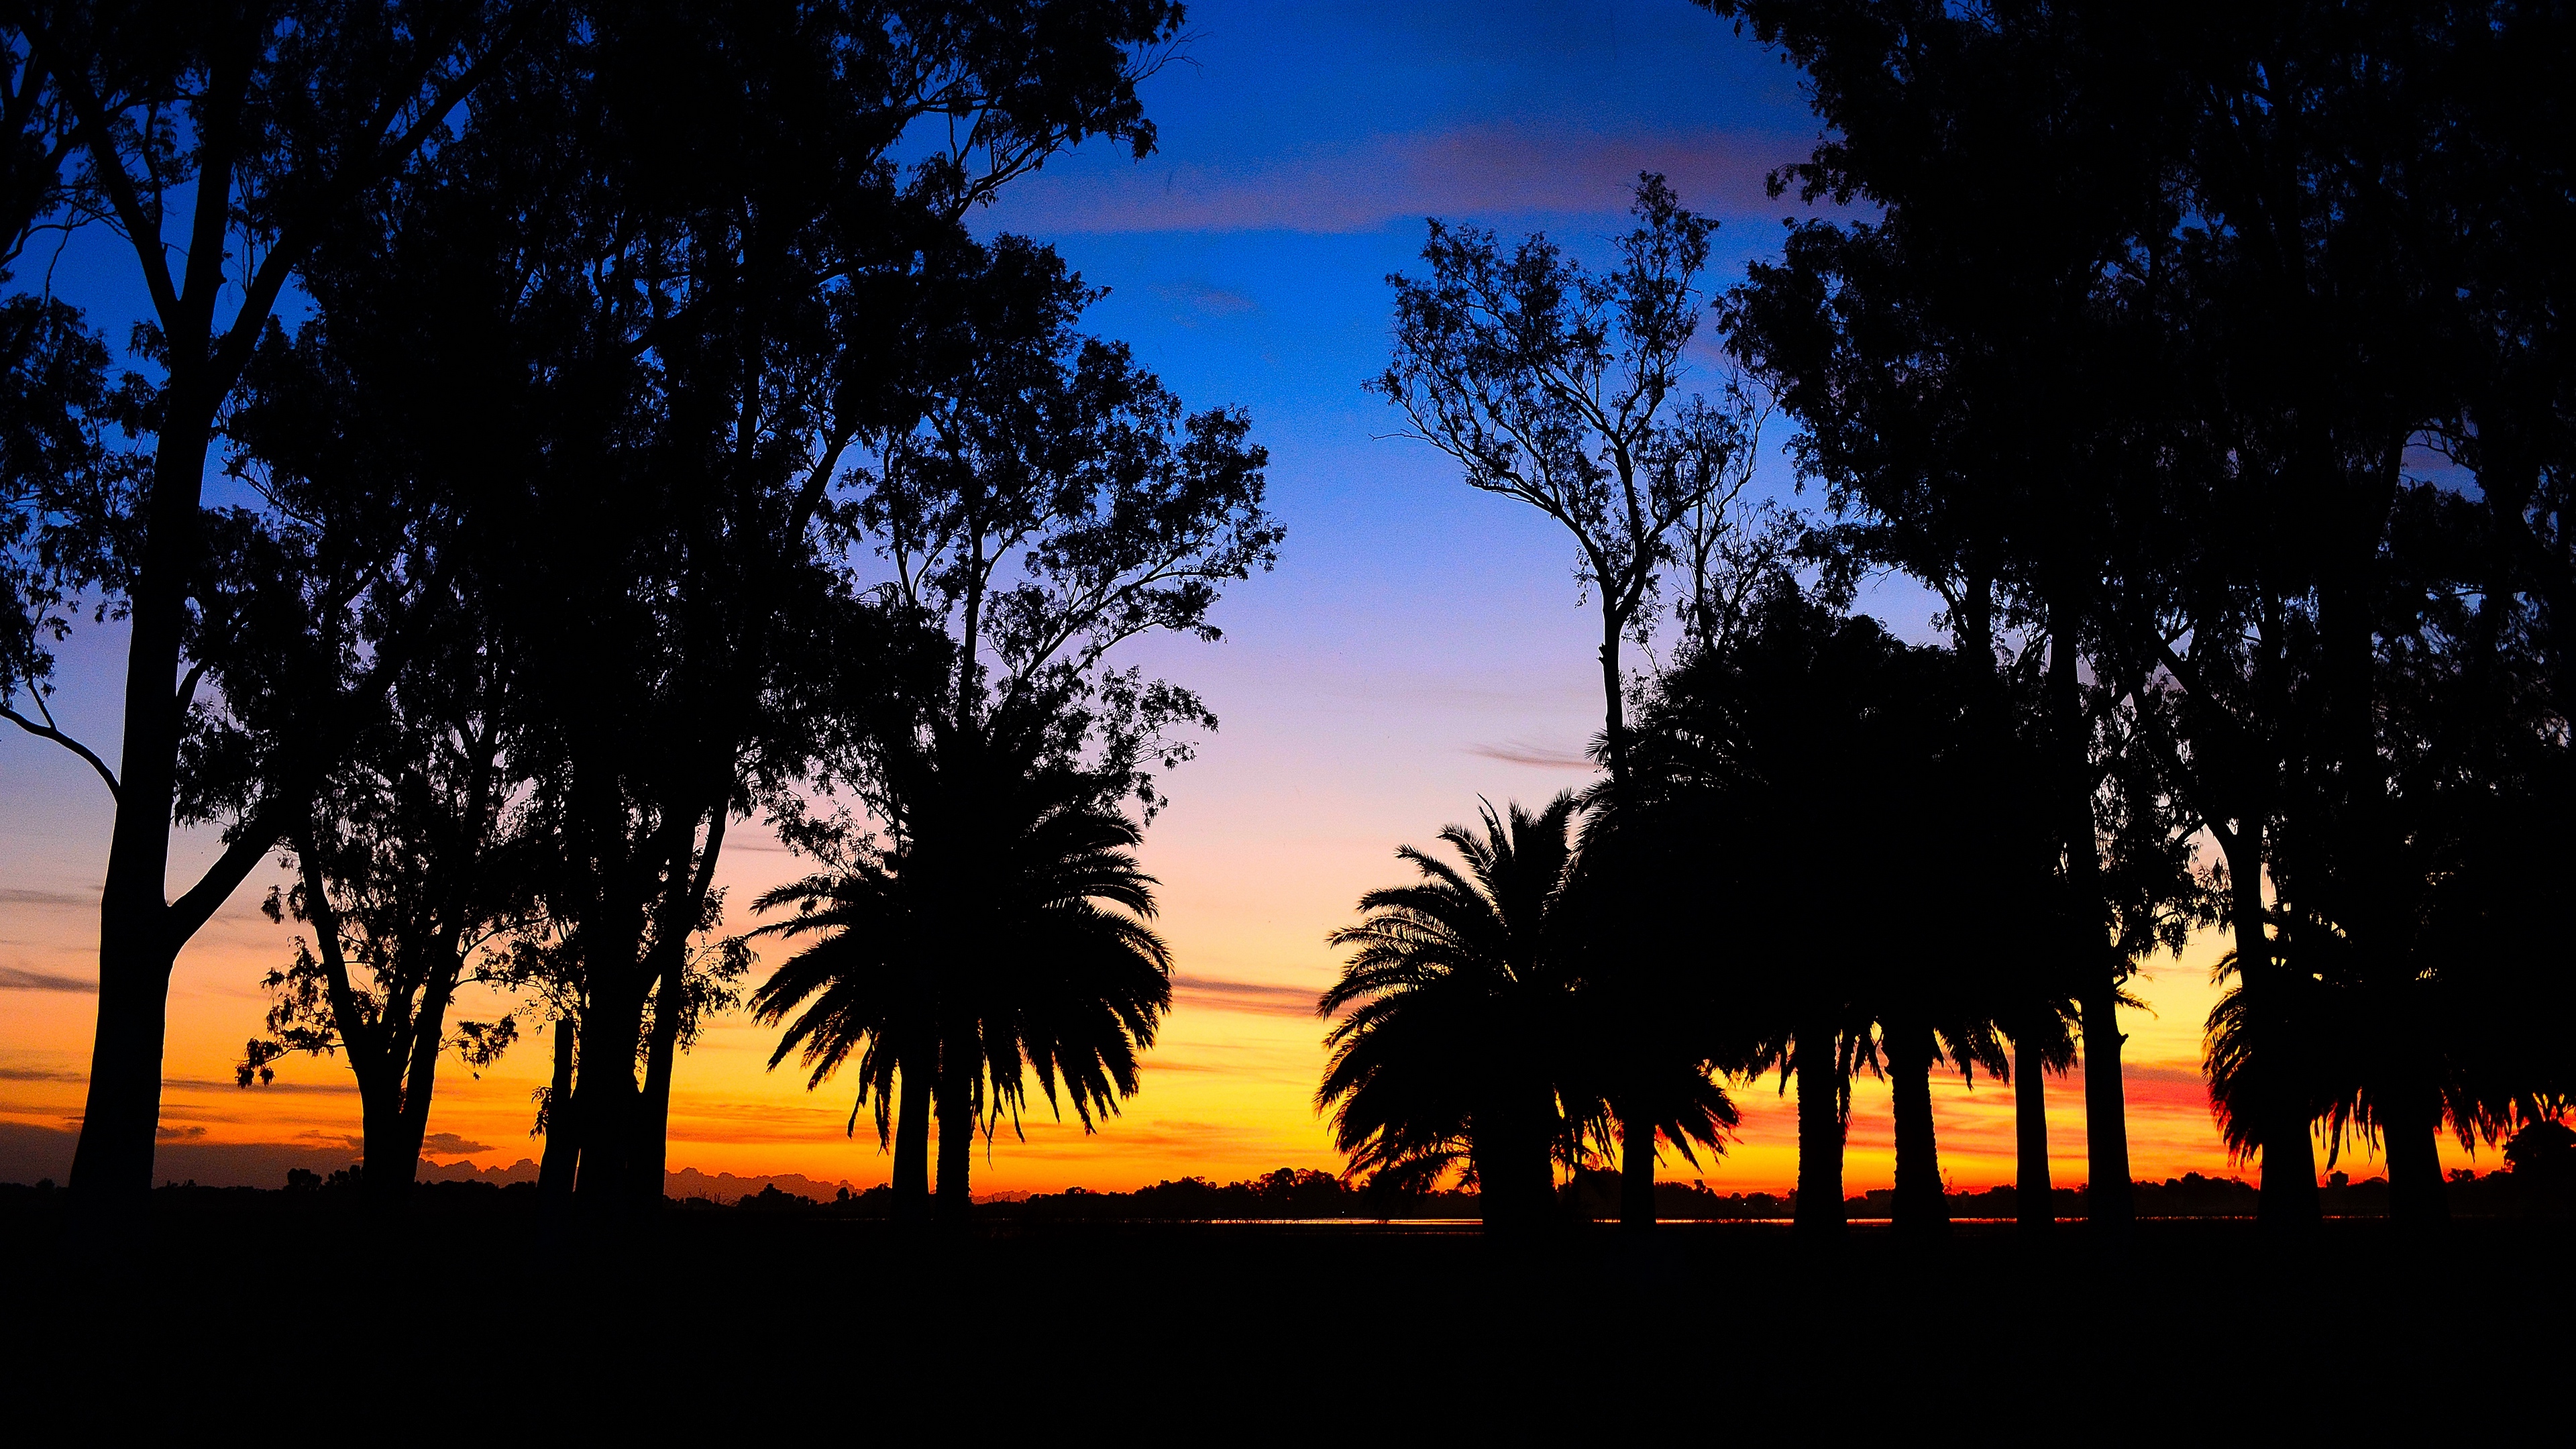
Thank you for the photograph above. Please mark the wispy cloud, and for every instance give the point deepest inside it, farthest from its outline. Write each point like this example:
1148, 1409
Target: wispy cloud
1546, 757
22, 896
18, 978
1256, 998
1202, 301
1363, 185
448, 1144
41, 1074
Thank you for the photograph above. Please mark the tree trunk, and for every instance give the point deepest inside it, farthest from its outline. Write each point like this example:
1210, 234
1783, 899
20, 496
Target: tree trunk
2034, 1198
419, 1086
2288, 1201
2108, 1201
1636, 1172
653, 1114
1819, 1215
1636, 1125
2416, 1195
1921, 1211
606, 1097
380, 1122
112, 1166
912, 1141
563, 1150
956, 1149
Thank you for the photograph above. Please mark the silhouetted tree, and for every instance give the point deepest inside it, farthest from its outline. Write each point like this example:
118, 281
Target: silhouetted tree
264, 128
996, 931
1808, 773
1451, 1044
1041, 500
1561, 387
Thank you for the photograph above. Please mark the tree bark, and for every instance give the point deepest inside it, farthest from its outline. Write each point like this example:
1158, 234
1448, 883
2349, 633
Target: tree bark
2417, 1197
1636, 1172
2034, 1198
563, 1150
956, 1134
912, 1141
112, 1166
1921, 1211
2107, 1198
1636, 1124
2108, 1202
653, 1112
1819, 1214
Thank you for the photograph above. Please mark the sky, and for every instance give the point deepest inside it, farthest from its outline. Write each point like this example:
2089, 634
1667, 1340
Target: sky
1419, 648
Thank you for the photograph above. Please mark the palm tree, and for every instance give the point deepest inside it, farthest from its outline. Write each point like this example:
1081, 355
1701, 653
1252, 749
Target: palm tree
1457, 995
868, 985
1001, 932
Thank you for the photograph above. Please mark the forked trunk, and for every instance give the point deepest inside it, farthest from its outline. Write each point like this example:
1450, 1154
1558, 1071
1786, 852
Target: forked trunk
2034, 1198
1819, 1216
112, 1166
1920, 1209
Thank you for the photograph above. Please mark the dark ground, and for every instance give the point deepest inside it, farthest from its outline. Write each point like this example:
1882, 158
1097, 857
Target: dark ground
252, 1315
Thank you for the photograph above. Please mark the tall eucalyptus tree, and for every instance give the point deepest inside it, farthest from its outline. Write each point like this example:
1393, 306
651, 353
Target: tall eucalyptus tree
1561, 387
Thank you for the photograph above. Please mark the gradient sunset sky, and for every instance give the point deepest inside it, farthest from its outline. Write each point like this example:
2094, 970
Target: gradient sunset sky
1420, 645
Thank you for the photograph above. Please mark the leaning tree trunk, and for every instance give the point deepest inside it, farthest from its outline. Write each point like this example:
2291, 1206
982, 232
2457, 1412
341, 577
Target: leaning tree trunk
1920, 1209
1819, 1214
2034, 1199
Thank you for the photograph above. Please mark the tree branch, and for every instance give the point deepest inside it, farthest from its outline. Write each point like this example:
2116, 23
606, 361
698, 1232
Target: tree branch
49, 731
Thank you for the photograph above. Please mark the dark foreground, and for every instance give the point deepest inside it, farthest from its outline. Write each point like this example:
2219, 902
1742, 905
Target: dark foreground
258, 1321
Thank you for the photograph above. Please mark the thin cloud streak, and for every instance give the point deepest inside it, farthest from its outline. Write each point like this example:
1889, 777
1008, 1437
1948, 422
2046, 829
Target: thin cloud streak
1522, 752
17, 978
1254, 998
1361, 186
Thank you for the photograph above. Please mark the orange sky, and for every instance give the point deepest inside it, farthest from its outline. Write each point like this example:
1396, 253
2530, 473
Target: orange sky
1226, 1093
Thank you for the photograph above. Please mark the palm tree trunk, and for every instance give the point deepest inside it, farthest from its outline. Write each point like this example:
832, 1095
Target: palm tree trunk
2034, 1199
1819, 1214
2416, 1196
1636, 1171
912, 1142
1920, 1210
956, 1128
